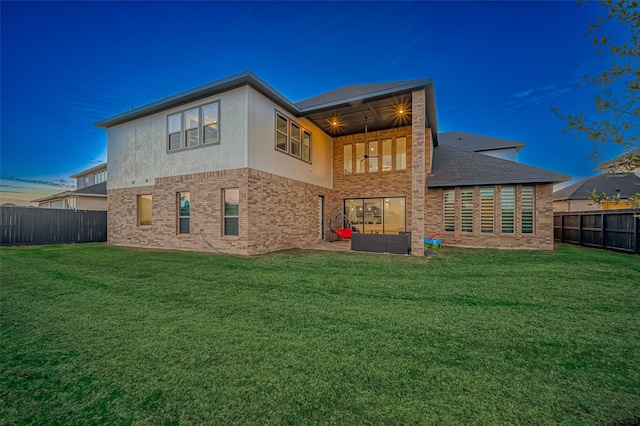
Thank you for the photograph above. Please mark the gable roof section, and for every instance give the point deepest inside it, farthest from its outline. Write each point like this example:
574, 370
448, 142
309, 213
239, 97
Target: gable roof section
458, 167
618, 160
356, 92
626, 185
477, 143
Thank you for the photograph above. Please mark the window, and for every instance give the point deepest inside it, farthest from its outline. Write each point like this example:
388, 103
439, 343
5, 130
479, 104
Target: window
486, 210
527, 209
144, 210
231, 218
87, 180
401, 153
210, 125
376, 215
306, 146
292, 139
184, 213
295, 140
100, 176
348, 160
466, 210
282, 137
386, 155
175, 131
192, 126
360, 158
184, 128
449, 209
373, 156
70, 203
508, 209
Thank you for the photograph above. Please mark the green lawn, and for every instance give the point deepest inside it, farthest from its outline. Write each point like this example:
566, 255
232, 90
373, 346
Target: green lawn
92, 334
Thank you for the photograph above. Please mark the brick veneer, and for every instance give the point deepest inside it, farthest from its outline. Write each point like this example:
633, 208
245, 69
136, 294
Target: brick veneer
419, 167
369, 185
275, 213
542, 238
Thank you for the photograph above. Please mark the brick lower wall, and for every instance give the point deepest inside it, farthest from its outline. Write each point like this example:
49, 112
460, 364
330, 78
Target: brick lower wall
274, 213
278, 213
541, 239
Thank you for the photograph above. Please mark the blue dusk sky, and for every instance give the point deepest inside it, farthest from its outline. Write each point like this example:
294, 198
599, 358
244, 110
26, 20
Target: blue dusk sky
498, 68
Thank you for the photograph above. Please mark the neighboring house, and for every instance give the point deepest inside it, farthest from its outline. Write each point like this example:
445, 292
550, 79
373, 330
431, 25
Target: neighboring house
91, 192
613, 181
234, 166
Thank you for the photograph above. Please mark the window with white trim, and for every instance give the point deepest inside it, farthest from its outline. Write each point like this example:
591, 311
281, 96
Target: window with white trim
231, 212
449, 209
466, 210
508, 209
184, 212
527, 209
145, 203
486, 209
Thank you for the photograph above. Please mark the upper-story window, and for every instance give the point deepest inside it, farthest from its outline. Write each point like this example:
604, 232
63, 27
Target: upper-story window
292, 139
101, 176
376, 156
194, 127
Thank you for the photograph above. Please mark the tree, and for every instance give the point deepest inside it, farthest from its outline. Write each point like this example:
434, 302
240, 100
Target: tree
615, 105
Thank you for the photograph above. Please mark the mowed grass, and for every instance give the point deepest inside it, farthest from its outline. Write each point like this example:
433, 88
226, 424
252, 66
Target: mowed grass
92, 334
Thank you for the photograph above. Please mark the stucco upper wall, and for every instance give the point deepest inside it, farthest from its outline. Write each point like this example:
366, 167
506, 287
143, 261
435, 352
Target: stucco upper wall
262, 153
138, 155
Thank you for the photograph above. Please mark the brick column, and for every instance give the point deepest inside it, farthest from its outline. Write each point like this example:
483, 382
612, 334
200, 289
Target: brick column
418, 171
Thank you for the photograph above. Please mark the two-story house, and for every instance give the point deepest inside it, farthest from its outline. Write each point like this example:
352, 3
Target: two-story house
613, 181
234, 166
90, 192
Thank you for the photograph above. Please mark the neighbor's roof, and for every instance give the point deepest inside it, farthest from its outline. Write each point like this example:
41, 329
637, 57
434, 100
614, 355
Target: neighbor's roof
91, 170
97, 189
471, 142
459, 167
618, 160
58, 196
625, 185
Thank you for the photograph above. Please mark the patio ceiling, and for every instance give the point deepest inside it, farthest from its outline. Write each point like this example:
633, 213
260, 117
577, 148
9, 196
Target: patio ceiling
375, 114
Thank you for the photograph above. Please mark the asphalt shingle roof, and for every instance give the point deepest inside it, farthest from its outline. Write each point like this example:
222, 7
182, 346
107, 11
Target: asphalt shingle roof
350, 92
459, 167
617, 160
471, 142
627, 185
97, 189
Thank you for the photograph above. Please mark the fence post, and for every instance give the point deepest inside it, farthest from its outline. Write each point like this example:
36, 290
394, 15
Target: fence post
602, 228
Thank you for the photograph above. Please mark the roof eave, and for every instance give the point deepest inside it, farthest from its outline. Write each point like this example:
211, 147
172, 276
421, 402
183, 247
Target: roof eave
92, 169
493, 182
368, 96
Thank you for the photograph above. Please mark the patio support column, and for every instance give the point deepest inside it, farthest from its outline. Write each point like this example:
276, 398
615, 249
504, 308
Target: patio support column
418, 171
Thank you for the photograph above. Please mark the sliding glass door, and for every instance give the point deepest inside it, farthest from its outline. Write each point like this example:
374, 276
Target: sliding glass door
376, 215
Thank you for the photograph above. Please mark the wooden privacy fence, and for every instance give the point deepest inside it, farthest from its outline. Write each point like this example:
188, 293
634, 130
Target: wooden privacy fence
615, 230
35, 226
